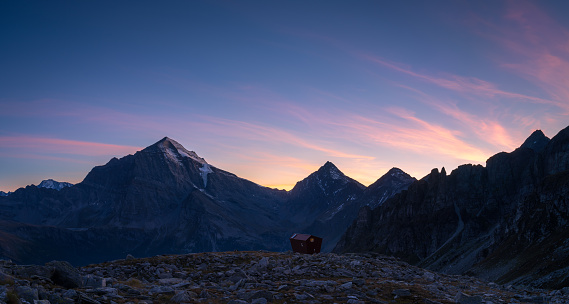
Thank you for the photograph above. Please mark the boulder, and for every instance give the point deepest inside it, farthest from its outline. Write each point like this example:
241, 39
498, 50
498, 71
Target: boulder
64, 274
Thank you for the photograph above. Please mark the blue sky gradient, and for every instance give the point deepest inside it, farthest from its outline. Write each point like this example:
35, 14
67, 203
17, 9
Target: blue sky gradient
272, 90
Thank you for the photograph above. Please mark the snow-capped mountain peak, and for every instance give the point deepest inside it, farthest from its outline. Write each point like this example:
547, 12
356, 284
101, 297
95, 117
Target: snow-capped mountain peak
52, 184
173, 150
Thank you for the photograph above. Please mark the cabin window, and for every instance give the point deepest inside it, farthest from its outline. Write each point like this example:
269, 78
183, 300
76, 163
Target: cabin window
311, 240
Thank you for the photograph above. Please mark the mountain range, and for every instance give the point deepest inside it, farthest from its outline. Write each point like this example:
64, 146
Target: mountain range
166, 199
505, 222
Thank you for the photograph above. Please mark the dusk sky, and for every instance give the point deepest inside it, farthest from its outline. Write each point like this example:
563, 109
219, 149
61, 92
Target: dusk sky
271, 90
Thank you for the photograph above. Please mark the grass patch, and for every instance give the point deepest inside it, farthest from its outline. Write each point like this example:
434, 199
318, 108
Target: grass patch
134, 283
12, 297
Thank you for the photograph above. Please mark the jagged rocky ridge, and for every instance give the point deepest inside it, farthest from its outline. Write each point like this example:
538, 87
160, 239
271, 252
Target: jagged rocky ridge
166, 199
505, 222
254, 277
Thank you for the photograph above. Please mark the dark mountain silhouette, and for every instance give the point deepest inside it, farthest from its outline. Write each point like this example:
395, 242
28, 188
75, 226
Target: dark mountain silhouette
166, 199
505, 222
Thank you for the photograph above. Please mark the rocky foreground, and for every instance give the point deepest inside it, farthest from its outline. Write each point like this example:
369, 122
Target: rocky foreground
254, 277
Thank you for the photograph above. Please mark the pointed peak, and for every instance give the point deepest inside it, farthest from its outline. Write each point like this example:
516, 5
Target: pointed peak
167, 140
397, 173
536, 141
395, 170
332, 170
538, 132
329, 165
175, 150
393, 176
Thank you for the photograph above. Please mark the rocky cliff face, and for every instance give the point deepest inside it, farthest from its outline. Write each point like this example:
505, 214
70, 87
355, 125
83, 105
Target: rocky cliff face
505, 222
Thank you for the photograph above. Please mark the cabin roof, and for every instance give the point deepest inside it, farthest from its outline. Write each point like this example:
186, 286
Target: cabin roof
300, 237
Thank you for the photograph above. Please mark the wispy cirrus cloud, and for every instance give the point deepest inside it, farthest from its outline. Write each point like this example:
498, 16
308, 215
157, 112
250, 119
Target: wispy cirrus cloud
39, 145
487, 129
413, 135
536, 47
258, 132
30, 156
466, 85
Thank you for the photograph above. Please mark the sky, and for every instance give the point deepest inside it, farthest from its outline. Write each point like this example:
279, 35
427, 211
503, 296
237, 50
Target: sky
271, 90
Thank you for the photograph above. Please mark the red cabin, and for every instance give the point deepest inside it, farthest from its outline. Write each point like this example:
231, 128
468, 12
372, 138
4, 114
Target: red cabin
305, 243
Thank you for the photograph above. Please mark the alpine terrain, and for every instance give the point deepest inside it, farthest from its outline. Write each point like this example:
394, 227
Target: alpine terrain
166, 199
506, 222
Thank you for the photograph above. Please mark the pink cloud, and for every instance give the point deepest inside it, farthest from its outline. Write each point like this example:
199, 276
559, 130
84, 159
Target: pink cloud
43, 157
257, 132
536, 47
486, 129
412, 134
63, 146
468, 85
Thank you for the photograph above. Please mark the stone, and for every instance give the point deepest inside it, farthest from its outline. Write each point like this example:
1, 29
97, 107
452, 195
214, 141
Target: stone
6, 279
402, 292
93, 281
345, 286
259, 301
181, 297
64, 274
129, 257
237, 302
462, 298
263, 263
161, 290
262, 294
55, 298
204, 294
71, 294
83, 298
28, 271
169, 281
27, 293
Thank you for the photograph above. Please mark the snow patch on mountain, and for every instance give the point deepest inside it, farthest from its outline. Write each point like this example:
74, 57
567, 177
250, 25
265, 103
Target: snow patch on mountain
169, 153
176, 152
185, 153
204, 170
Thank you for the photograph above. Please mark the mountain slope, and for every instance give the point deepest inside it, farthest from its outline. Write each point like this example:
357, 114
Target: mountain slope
175, 199
344, 201
505, 222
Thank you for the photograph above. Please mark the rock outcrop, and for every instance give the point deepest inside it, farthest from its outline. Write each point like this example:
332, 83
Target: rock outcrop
505, 222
